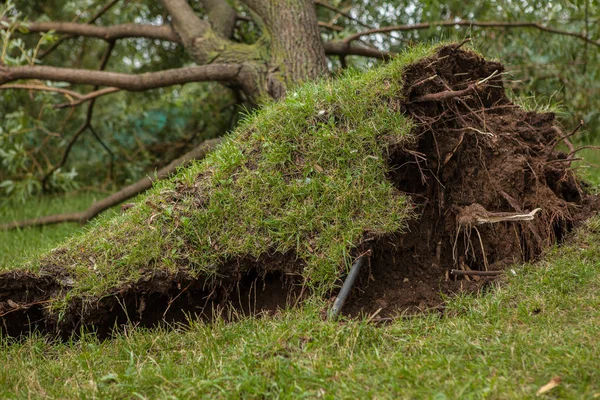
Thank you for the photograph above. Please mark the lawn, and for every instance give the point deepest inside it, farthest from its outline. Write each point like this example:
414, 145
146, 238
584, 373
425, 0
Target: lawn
541, 322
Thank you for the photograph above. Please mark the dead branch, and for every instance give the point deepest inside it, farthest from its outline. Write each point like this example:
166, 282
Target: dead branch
133, 83
569, 160
116, 198
577, 150
445, 95
450, 94
490, 24
111, 163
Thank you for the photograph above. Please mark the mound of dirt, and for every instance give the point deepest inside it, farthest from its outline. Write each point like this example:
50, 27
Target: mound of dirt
480, 169
485, 178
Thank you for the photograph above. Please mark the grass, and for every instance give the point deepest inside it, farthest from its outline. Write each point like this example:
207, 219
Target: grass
542, 322
305, 176
19, 245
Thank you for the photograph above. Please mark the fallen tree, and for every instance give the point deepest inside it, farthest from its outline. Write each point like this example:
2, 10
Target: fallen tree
423, 163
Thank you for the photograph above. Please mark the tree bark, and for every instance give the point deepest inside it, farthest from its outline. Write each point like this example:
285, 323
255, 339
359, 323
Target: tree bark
296, 51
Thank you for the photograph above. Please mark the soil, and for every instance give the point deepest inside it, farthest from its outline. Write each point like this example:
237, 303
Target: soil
477, 157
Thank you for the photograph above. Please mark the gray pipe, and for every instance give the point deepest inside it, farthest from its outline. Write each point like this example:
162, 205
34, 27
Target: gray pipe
345, 291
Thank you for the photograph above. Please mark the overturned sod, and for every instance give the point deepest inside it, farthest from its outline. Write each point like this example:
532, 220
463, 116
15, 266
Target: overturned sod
424, 163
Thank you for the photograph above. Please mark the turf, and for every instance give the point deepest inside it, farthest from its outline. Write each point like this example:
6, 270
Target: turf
541, 323
305, 176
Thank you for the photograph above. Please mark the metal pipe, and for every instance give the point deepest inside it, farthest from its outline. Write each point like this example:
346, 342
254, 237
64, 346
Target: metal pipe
345, 290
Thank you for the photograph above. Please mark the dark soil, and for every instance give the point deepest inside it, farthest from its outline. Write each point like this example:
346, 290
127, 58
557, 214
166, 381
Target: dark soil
476, 155
475, 152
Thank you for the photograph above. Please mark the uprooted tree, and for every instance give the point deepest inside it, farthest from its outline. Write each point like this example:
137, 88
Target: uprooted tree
424, 165
428, 143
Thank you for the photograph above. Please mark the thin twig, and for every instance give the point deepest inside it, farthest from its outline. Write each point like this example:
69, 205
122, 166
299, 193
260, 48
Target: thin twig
86, 123
490, 24
111, 163
87, 97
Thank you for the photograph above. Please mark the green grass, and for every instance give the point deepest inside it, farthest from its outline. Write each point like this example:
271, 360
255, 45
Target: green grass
305, 176
542, 322
19, 245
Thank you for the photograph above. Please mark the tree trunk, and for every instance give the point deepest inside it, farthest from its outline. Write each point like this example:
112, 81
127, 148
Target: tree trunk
295, 49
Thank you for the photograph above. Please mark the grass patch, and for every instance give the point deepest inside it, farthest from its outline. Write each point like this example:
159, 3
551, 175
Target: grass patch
543, 322
21, 244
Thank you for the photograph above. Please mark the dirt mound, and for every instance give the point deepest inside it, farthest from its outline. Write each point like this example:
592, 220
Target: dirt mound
486, 179
490, 185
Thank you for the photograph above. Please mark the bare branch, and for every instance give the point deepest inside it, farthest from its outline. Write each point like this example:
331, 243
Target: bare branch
490, 24
330, 26
122, 195
133, 83
108, 33
102, 11
450, 94
344, 14
87, 97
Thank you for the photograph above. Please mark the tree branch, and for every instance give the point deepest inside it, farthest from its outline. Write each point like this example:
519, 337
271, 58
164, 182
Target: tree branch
341, 48
132, 83
221, 16
124, 194
166, 33
93, 19
69, 94
109, 33
87, 97
490, 24
185, 21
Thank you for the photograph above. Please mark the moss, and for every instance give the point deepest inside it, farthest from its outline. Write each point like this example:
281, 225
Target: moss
306, 175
